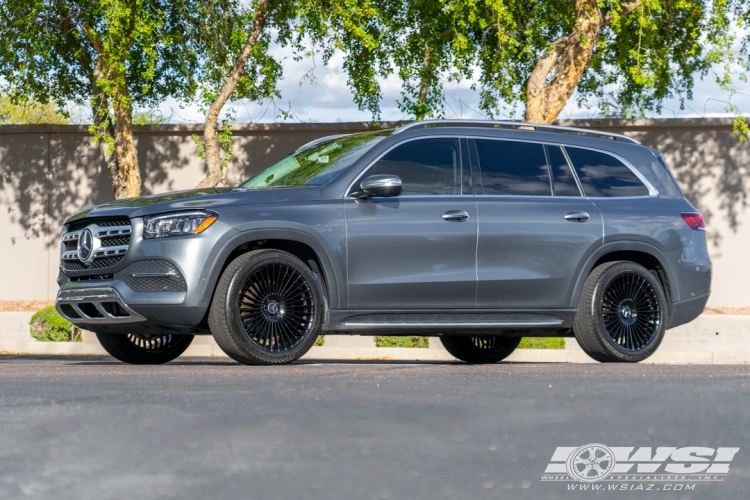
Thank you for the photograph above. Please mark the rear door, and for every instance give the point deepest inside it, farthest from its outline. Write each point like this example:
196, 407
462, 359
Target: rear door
417, 250
535, 227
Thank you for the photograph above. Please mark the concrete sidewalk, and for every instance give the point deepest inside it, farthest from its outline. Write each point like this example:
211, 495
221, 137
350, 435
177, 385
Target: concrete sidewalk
710, 339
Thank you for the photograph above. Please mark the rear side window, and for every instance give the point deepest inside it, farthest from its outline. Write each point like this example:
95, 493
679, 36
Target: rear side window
426, 166
513, 168
563, 181
603, 175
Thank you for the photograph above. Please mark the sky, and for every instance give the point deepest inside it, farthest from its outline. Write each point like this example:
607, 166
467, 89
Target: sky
325, 97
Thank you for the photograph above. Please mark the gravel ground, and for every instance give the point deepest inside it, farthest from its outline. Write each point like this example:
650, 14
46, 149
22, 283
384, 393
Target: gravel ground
92, 428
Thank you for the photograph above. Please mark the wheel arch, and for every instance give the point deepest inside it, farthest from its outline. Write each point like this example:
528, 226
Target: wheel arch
298, 243
641, 253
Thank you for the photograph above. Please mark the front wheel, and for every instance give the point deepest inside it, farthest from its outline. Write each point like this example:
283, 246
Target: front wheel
140, 349
267, 308
481, 348
622, 313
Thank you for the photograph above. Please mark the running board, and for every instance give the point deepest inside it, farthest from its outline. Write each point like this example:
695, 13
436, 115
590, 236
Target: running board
487, 324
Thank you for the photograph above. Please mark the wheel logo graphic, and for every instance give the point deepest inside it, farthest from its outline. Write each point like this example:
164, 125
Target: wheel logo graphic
589, 463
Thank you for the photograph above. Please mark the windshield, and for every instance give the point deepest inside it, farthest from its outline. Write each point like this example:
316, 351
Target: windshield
317, 165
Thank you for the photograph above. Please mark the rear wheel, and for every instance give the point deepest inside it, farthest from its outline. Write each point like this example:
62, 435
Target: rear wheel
622, 313
144, 349
267, 308
480, 348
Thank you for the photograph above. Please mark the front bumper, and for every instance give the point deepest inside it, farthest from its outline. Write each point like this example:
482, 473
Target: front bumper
96, 305
112, 307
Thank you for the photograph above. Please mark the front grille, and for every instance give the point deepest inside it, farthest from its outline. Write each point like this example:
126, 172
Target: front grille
109, 242
106, 262
99, 221
116, 241
152, 276
95, 277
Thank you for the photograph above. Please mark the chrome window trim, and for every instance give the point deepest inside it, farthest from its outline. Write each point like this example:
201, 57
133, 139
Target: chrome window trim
411, 139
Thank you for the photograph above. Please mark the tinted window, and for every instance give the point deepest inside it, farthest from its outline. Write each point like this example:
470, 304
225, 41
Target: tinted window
563, 181
510, 167
426, 166
604, 175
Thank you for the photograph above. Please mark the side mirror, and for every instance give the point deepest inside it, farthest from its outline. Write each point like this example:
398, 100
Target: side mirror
380, 185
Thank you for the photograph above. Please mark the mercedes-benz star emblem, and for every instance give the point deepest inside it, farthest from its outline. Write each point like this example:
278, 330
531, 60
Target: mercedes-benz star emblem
85, 245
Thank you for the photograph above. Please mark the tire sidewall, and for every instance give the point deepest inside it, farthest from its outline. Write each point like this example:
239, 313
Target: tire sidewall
232, 307
596, 313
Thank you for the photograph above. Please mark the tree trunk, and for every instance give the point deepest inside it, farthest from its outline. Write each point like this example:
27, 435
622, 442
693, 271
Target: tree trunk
127, 158
566, 60
211, 144
103, 125
424, 85
123, 165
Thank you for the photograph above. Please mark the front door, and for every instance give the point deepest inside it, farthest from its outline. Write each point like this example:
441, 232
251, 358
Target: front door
535, 228
416, 250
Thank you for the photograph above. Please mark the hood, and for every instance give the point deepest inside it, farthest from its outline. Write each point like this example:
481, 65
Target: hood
210, 198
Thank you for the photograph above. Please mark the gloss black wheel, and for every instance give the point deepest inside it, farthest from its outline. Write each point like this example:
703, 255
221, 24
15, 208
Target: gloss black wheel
480, 348
267, 308
630, 312
276, 307
622, 313
144, 349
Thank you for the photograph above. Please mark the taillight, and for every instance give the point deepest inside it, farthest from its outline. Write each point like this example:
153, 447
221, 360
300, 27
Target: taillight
695, 221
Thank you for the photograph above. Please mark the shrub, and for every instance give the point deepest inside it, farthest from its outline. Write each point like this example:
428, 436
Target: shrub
542, 343
47, 325
419, 342
321, 340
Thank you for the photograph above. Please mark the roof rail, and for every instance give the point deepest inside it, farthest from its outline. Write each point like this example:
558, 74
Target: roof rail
515, 125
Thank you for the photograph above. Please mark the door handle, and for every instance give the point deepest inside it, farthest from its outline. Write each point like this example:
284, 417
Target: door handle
577, 216
456, 215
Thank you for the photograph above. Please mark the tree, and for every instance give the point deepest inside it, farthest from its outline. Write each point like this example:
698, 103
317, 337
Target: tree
541, 52
109, 54
235, 38
428, 44
29, 113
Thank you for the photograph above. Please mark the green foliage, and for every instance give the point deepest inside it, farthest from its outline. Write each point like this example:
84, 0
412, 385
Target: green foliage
47, 325
655, 52
320, 341
402, 341
649, 55
149, 117
542, 343
29, 112
135, 52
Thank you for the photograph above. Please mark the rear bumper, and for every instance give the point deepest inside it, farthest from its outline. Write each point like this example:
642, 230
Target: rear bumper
686, 311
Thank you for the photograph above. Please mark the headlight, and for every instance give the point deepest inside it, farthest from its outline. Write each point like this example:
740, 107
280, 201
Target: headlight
177, 224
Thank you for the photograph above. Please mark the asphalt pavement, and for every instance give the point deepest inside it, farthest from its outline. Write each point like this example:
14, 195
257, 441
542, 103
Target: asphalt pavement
92, 428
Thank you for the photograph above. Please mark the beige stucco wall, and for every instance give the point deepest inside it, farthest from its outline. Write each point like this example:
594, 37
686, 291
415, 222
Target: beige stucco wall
49, 172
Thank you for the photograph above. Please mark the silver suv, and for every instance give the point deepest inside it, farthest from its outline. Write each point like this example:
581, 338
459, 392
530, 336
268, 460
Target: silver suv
479, 233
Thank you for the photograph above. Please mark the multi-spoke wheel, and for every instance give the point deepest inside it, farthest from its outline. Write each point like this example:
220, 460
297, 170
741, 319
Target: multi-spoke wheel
144, 349
267, 308
481, 348
622, 313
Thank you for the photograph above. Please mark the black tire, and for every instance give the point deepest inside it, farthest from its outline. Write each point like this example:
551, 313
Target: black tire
267, 308
481, 348
622, 313
144, 349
